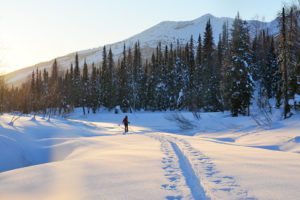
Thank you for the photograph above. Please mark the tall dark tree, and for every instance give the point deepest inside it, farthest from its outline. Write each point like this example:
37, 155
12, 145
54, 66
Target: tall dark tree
241, 83
199, 74
211, 100
77, 83
85, 88
272, 78
95, 90
293, 49
283, 62
54, 73
124, 100
111, 80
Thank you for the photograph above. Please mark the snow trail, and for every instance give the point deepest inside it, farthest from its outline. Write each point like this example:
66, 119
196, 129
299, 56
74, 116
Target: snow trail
185, 163
191, 178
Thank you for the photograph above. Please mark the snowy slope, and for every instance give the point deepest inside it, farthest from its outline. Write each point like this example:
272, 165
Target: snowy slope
167, 32
88, 157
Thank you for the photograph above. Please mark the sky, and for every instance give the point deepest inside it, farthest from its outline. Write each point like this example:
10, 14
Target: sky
32, 31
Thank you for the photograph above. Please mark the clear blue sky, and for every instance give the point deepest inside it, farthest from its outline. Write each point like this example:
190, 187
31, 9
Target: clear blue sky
38, 30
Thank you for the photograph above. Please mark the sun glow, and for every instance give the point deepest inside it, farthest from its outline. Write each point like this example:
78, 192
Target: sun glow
33, 31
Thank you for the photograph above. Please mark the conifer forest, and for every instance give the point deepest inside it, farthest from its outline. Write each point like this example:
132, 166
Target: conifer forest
198, 76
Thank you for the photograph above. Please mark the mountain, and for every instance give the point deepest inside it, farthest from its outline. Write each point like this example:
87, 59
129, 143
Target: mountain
165, 32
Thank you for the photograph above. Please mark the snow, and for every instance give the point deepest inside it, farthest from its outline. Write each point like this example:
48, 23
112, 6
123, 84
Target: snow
89, 157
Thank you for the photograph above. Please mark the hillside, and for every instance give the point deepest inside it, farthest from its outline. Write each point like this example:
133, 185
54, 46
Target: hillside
165, 32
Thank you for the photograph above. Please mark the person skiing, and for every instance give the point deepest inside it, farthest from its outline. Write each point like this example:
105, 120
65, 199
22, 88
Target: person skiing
125, 122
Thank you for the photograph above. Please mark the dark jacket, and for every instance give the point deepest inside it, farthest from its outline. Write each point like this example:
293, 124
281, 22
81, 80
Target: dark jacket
125, 121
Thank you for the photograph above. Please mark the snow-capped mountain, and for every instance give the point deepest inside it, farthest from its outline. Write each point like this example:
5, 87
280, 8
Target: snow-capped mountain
165, 32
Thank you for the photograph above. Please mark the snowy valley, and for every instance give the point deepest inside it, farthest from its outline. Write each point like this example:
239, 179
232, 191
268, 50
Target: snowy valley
89, 157
212, 117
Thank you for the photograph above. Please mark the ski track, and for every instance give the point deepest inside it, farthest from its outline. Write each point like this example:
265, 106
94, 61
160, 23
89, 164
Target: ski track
191, 179
190, 170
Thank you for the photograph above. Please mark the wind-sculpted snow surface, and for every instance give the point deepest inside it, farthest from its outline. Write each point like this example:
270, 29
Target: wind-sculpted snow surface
88, 157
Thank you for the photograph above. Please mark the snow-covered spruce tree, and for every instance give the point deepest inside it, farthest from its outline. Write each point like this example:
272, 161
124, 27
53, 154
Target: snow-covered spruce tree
255, 66
77, 83
129, 66
71, 98
61, 104
293, 46
158, 68
241, 82
225, 82
67, 92
192, 100
271, 77
198, 78
53, 90
95, 90
164, 76
123, 94
181, 74
111, 81
137, 78
32, 93
263, 83
183, 69
219, 68
172, 80
258, 66
282, 57
145, 85
38, 89
85, 88
151, 84
45, 92
210, 90
104, 79
142, 80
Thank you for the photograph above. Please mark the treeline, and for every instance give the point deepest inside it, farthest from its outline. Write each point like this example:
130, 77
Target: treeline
197, 76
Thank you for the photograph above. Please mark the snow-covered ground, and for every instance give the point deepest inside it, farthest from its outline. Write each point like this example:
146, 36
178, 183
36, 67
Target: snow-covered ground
88, 157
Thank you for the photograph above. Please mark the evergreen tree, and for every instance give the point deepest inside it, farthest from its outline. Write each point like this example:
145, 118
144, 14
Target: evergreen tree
54, 74
85, 88
211, 100
123, 93
111, 81
272, 79
192, 104
198, 74
284, 62
45, 91
138, 78
151, 83
94, 90
38, 89
225, 82
241, 82
104, 80
32, 94
159, 75
77, 83
293, 48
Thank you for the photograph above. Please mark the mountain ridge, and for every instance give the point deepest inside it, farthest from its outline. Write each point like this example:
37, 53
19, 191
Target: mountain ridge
166, 32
